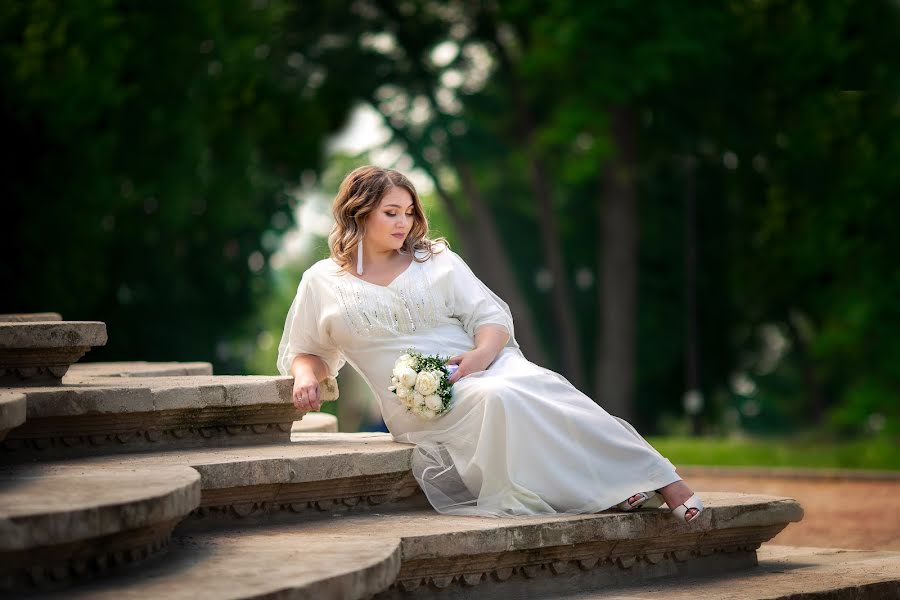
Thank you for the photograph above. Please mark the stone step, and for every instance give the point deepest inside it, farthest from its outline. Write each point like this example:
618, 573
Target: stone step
100, 415
462, 557
261, 562
40, 352
137, 369
58, 523
315, 472
12, 412
784, 573
316, 422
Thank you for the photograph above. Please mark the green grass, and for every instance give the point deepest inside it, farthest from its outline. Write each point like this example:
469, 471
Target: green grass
880, 453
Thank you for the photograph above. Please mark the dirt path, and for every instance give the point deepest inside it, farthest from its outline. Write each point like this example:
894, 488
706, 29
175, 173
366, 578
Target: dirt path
839, 513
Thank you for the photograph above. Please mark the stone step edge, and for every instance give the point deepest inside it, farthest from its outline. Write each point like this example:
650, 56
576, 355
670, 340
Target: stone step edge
441, 551
139, 369
116, 517
437, 552
12, 412
783, 573
115, 415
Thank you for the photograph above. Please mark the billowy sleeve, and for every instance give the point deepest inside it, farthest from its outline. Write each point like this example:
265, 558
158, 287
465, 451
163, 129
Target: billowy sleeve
474, 304
305, 332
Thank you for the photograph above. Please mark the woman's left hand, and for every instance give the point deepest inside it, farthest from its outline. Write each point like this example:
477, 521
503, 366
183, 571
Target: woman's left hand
473, 361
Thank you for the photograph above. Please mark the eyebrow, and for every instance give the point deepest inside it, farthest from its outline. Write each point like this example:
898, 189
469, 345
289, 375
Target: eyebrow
397, 205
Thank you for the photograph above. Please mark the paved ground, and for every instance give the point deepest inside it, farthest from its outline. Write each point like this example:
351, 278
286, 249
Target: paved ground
839, 513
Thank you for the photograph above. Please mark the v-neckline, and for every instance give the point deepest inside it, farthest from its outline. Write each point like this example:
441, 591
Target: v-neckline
390, 283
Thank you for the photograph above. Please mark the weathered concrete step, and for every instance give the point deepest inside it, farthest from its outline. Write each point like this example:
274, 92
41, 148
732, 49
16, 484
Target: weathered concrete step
40, 352
316, 422
263, 562
137, 369
494, 555
12, 412
315, 472
784, 573
96, 415
467, 557
60, 523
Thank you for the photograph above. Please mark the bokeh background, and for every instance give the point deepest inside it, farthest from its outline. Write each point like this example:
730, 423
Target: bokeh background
692, 208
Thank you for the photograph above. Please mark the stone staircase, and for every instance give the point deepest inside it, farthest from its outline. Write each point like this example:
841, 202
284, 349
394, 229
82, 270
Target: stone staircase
162, 480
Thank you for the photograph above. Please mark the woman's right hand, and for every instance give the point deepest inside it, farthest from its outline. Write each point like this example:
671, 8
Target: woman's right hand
306, 392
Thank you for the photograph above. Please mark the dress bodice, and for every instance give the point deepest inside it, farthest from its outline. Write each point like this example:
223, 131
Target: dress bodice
433, 306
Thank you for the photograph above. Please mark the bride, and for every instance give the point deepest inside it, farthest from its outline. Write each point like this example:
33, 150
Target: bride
518, 439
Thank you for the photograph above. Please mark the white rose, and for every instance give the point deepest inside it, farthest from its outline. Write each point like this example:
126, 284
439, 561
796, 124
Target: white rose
427, 383
405, 360
403, 391
423, 412
407, 377
394, 381
418, 399
408, 402
434, 402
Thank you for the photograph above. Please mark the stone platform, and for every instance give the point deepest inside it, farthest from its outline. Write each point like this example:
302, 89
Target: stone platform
12, 411
415, 552
784, 573
57, 523
114, 457
78, 372
40, 352
91, 415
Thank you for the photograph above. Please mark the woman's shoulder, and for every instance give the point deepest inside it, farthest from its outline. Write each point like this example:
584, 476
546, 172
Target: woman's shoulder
440, 252
322, 270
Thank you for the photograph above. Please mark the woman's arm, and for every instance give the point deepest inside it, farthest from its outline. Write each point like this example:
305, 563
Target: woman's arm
489, 341
308, 370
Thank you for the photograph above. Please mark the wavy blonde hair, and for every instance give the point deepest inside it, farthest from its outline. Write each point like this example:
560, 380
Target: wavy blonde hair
360, 194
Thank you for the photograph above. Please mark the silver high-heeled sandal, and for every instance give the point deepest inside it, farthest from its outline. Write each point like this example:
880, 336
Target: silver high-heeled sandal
646, 500
681, 511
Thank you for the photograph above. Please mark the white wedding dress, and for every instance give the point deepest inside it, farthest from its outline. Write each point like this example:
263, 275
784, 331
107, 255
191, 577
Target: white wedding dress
518, 440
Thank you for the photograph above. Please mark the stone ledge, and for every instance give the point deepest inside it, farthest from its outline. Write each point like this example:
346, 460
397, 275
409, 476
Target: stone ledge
95, 415
316, 472
59, 523
12, 412
39, 353
263, 562
316, 422
52, 334
441, 551
784, 573
30, 317
137, 369
468, 557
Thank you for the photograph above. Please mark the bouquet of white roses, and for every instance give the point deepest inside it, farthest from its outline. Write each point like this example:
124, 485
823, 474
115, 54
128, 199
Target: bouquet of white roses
422, 383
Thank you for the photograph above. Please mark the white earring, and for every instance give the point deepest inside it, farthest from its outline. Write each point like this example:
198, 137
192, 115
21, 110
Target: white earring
359, 258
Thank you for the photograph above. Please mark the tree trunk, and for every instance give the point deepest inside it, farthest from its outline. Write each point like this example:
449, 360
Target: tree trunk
693, 395
560, 294
619, 261
551, 244
494, 268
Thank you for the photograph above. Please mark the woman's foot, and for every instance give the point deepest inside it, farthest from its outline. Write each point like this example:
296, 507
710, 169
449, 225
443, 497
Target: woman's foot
677, 494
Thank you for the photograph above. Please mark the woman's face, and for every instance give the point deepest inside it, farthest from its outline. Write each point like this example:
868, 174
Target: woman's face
389, 224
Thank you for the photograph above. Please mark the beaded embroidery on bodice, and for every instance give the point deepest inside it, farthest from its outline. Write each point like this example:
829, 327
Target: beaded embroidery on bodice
404, 306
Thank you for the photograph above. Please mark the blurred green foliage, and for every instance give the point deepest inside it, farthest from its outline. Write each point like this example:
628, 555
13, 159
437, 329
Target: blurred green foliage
874, 454
150, 145
156, 147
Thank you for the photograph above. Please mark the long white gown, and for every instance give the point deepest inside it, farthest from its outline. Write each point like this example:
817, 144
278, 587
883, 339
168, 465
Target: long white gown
518, 440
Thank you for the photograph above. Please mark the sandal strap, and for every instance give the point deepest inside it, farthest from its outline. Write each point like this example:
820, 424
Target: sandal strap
693, 502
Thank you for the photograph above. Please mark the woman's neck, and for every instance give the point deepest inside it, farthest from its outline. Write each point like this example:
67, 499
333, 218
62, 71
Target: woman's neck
377, 258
